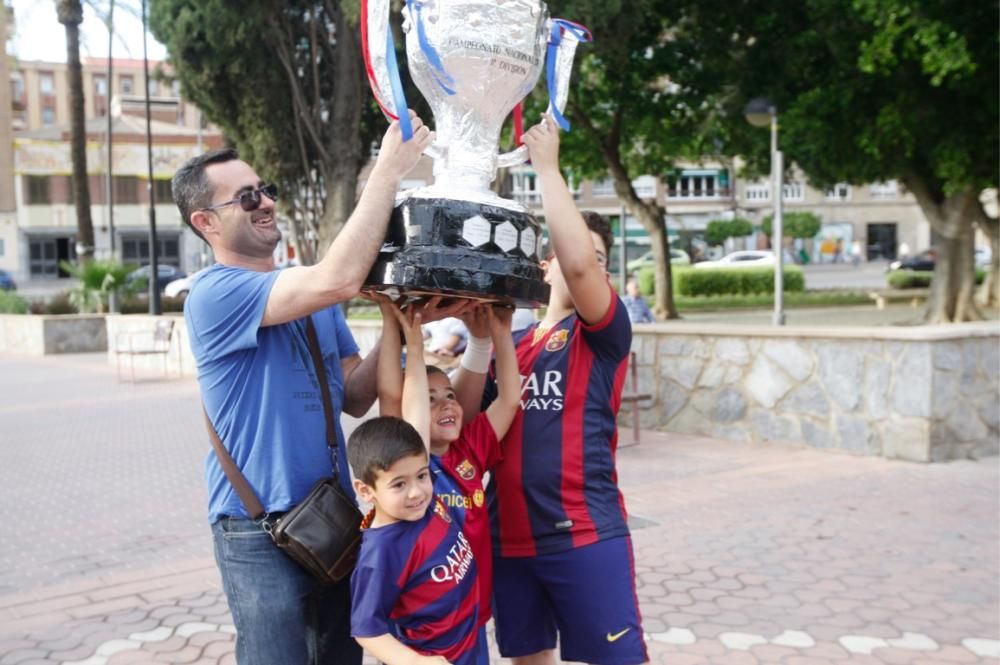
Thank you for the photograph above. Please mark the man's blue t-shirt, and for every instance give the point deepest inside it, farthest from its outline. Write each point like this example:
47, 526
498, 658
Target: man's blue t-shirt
259, 387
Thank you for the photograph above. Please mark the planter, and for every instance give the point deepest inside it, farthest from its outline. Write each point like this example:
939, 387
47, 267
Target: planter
42, 335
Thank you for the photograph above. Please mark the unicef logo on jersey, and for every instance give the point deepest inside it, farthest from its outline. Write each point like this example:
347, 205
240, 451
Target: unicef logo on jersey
457, 562
542, 393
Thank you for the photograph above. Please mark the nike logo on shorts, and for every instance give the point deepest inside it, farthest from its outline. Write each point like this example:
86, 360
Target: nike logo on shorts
614, 638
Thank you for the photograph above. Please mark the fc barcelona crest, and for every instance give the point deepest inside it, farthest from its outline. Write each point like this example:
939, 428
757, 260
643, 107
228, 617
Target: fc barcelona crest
441, 511
465, 470
557, 340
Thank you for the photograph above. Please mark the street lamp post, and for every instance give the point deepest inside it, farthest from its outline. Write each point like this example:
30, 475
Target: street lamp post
761, 112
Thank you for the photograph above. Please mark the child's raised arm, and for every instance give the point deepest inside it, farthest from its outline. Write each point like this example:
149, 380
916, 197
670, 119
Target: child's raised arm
390, 371
503, 409
416, 394
387, 649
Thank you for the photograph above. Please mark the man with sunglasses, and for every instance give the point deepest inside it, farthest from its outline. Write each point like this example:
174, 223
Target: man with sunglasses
247, 326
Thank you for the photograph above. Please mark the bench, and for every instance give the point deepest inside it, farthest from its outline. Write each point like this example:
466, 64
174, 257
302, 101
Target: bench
915, 296
632, 396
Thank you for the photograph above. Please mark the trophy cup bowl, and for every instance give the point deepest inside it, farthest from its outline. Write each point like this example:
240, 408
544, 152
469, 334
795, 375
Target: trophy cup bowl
473, 61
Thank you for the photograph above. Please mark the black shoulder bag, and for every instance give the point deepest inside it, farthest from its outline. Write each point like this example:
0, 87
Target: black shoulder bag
323, 533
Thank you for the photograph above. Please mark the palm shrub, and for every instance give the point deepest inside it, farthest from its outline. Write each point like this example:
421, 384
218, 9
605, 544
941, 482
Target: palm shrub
98, 279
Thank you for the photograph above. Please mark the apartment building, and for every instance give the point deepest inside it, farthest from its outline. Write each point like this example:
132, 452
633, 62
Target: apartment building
881, 216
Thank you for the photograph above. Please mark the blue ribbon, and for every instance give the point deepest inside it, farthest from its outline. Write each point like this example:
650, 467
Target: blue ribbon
555, 38
398, 97
443, 78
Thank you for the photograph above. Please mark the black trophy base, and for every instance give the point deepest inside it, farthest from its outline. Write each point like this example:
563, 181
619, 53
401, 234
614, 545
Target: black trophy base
462, 249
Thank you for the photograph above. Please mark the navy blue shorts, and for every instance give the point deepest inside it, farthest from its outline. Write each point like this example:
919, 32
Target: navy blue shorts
586, 596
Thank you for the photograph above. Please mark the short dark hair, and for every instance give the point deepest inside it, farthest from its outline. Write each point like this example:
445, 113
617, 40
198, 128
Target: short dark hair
379, 443
600, 225
595, 222
434, 369
190, 186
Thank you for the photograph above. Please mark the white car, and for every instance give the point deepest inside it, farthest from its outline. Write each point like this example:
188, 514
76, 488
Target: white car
678, 257
750, 258
179, 287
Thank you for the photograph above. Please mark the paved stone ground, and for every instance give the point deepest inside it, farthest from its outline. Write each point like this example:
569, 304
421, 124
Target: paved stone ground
745, 555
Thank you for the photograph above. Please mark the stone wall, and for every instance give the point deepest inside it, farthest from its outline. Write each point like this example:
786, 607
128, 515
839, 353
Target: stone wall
39, 335
923, 393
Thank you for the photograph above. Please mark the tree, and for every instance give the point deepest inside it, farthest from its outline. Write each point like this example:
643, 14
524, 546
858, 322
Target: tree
870, 90
70, 14
284, 81
628, 118
794, 225
718, 231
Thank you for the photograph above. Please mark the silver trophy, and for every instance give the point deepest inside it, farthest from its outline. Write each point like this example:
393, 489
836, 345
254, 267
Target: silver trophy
473, 60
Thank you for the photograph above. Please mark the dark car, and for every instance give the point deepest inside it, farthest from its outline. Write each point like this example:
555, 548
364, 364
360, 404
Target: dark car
922, 261
7, 281
165, 274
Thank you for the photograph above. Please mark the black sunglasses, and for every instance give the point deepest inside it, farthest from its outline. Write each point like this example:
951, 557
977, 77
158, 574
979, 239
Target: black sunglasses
250, 201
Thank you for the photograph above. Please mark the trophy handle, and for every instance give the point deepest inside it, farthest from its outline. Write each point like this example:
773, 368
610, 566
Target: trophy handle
564, 36
376, 40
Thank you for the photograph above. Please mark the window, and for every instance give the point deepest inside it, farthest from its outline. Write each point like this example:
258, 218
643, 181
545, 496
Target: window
839, 192
125, 84
46, 83
135, 250
161, 191
38, 189
48, 115
3, 248
645, 187
604, 188
100, 86
126, 189
153, 87
525, 188
758, 191
16, 85
884, 190
793, 191
698, 184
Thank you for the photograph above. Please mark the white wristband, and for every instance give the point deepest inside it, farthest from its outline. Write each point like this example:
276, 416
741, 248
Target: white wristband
476, 357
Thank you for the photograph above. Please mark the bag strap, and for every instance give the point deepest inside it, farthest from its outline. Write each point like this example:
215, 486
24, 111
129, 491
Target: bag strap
324, 388
233, 473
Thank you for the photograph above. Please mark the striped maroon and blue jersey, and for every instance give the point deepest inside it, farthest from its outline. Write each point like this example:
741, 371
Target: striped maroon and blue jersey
418, 582
556, 487
458, 482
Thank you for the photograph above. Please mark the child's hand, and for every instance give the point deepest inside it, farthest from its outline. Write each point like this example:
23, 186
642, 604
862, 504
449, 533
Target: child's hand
477, 321
410, 322
435, 311
500, 320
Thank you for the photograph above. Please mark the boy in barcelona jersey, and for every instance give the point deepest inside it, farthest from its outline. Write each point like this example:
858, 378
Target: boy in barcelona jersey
415, 590
460, 455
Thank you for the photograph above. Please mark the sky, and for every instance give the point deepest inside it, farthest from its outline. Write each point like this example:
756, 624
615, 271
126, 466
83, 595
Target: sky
39, 35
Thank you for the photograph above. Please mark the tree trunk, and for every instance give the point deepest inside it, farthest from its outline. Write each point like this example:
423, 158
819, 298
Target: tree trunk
70, 14
954, 283
340, 172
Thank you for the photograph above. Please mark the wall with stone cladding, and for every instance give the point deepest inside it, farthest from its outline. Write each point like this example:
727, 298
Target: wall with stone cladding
924, 394
39, 335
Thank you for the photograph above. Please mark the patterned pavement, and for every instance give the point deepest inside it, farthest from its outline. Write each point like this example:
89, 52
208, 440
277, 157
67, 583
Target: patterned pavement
744, 555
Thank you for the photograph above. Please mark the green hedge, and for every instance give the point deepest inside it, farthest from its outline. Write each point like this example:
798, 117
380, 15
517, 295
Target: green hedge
918, 279
11, 303
724, 281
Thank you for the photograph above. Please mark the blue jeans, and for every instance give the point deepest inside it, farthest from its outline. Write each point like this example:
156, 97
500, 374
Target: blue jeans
282, 614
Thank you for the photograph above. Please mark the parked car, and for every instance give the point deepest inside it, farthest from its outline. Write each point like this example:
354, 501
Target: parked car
7, 281
922, 261
165, 274
750, 258
179, 288
678, 257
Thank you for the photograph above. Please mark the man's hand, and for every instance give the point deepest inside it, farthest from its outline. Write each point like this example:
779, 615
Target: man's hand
396, 157
433, 310
543, 145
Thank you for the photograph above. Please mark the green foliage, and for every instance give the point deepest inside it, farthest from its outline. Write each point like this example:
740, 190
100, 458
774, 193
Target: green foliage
134, 305
12, 303
719, 230
57, 304
794, 225
716, 281
766, 300
917, 279
98, 279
